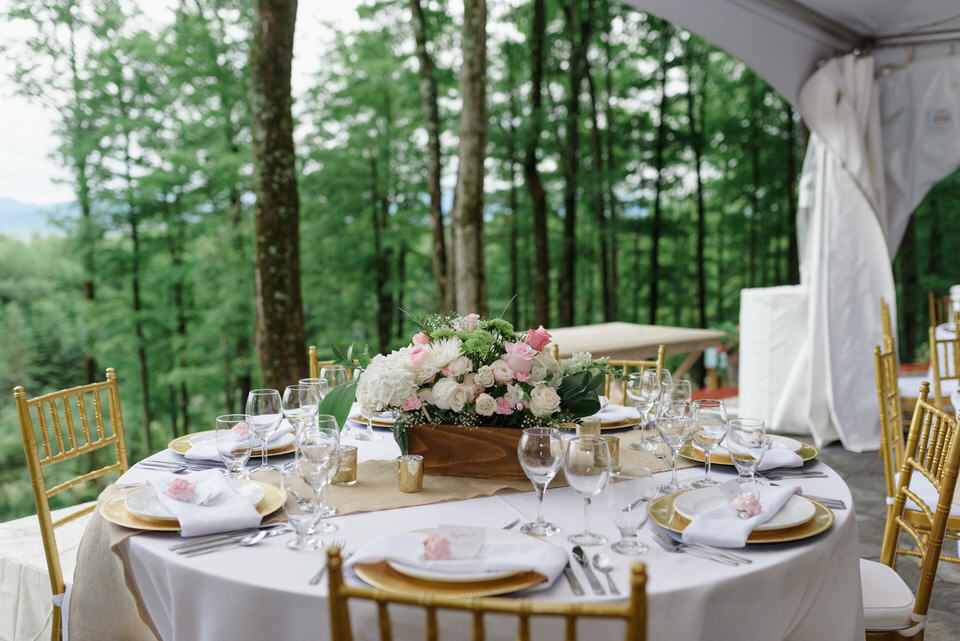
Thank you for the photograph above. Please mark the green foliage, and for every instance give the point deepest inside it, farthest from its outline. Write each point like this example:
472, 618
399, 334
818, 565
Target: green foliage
338, 401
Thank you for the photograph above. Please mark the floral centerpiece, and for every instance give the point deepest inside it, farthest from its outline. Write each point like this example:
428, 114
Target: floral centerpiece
466, 371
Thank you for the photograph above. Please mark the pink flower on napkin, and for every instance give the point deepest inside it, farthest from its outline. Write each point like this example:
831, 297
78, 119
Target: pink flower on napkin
436, 548
746, 505
241, 429
420, 339
537, 338
181, 490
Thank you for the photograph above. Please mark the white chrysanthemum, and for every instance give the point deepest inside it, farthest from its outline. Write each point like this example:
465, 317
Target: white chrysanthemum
442, 352
386, 382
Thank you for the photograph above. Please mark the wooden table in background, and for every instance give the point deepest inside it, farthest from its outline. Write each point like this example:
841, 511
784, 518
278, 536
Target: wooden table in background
631, 341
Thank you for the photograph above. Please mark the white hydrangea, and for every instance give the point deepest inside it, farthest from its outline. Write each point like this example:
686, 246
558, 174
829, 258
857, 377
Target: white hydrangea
386, 382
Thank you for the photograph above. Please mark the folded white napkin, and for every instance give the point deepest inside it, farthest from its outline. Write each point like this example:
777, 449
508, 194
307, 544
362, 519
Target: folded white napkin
613, 413
721, 527
217, 507
495, 556
773, 458
206, 449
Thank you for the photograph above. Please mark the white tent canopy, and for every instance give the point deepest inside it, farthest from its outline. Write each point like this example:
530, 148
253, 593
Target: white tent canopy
878, 84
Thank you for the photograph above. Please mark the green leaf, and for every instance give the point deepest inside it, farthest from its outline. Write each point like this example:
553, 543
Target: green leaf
339, 401
400, 436
583, 407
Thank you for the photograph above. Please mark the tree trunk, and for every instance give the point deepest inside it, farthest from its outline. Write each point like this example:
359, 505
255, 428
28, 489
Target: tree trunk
611, 162
280, 340
538, 198
380, 263
175, 244
512, 196
658, 190
431, 119
793, 261
696, 140
753, 145
401, 280
468, 206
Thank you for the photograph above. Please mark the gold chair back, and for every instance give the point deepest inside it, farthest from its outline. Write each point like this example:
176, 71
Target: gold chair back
626, 366
633, 610
63, 421
933, 451
891, 413
944, 359
938, 308
316, 365
886, 325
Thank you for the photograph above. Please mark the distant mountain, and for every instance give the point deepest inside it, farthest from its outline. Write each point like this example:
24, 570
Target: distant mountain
25, 220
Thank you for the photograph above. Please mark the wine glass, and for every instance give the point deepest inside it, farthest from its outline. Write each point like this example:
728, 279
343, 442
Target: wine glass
328, 423
628, 495
334, 375
643, 390
319, 449
586, 465
674, 430
663, 402
681, 390
234, 443
322, 385
540, 451
300, 505
300, 404
709, 429
747, 441
266, 412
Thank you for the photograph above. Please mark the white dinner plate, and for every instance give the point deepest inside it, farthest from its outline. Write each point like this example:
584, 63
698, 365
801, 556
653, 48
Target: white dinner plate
460, 577
777, 442
795, 511
144, 502
284, 440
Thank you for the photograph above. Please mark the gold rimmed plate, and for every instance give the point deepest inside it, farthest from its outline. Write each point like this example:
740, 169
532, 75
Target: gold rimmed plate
663, 514
182, 444
806, 451
616, 425
115, 509
382, 575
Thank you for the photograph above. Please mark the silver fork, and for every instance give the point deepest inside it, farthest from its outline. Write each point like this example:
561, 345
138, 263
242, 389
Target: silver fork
316, 578
670, 545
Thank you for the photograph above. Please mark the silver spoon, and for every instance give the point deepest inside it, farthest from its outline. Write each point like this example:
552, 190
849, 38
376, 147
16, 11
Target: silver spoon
252, 539
602, 562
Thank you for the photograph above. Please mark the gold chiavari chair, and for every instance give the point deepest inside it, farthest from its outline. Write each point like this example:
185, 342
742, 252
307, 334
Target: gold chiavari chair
55, 417
315, 365
891, 609
626, 366
885, 324
633, 611
907, 392
938, 308
944, 360
891, 413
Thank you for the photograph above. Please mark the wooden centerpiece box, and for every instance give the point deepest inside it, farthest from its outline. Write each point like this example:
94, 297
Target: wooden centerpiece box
474, 452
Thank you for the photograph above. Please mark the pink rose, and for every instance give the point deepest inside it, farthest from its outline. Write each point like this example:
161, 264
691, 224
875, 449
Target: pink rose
418, 355
181, 490
420, 339
523, 377
503, 406
537, 338
746, 505
240, 430
470, 322
519, 357
446, 371
411, 404
436, 548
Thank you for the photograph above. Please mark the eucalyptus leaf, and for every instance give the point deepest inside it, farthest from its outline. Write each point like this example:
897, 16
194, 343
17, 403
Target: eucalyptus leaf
339, 401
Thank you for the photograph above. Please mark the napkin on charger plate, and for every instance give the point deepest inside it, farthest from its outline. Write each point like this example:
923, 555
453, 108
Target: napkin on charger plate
773, 458
611, 413
206, 449
209, 505
722, 527
495, 556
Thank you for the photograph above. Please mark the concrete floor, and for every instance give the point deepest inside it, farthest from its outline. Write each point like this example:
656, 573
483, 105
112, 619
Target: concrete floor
864, 474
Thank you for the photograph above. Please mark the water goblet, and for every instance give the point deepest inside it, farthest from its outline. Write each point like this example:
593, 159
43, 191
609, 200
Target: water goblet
628, 495
643, 390
747, 441
709, 429
540, 451
300, 404
266, 412
300, 506
234, 443
681, 390
322, 385
674, 430
319, 449
586, 465
663, 402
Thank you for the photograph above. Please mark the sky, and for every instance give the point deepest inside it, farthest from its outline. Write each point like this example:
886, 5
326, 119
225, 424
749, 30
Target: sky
30, 174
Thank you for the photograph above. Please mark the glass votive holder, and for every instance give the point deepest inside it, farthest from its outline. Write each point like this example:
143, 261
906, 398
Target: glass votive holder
347, 474
589, 426
613, 444
410, 468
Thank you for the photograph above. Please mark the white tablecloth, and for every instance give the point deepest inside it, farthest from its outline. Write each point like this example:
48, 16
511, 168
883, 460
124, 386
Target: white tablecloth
803, 591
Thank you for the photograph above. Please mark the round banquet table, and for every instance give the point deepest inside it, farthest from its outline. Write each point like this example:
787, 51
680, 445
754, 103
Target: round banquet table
802, 591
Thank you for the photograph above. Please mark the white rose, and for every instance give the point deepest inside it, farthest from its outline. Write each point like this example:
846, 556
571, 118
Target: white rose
537, 373
486, 405
544, 401
501, 371
550, 365
485, 376
461, 396
459, 366
442, 391
514, 395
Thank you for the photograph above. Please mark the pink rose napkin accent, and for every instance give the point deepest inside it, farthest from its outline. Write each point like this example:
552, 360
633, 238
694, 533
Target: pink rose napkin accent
206, 449
204, 502
723, 527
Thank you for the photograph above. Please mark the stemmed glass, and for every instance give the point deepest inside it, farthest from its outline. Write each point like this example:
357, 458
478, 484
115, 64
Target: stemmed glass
300, 506
540, 451
322, 385
643, 390
674, 430
234, 443
266, 412
319, 450
709, 429
300, 404
681, 390
586, 465
663, 402
628, 495
747, 441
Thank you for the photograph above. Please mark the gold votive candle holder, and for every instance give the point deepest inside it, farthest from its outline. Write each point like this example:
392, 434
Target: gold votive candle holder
410, 470
589, 426
347, 474
613, 444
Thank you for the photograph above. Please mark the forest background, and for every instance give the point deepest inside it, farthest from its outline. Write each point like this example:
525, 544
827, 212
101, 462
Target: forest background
632, 172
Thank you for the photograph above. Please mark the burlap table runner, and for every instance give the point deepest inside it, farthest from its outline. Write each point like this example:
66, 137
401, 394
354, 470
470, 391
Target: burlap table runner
104, 602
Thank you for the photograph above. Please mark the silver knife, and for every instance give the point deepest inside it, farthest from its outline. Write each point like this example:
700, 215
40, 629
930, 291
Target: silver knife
200, 541
575, 586
213, 547
585, 564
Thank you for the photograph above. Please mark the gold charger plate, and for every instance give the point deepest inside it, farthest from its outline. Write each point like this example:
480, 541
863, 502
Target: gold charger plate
663, 514
181, 445
616, 425
115, 510
807, 452
377, 422
381, 575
